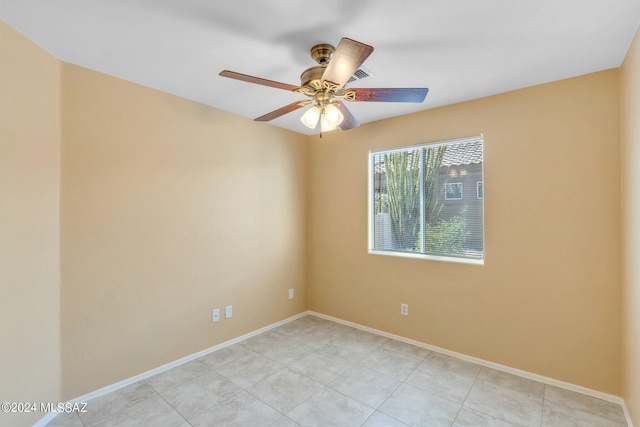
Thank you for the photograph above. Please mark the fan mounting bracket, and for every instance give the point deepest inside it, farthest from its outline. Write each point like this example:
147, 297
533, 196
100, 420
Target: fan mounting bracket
321, 53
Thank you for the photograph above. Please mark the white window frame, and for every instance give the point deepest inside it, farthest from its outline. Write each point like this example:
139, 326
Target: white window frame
371, 198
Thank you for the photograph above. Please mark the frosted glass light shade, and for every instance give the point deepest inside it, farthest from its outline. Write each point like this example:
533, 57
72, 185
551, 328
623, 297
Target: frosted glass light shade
332, 115
310, 117
326, 125
330, 118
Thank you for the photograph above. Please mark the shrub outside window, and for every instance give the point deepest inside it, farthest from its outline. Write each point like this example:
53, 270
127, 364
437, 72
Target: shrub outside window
428, 201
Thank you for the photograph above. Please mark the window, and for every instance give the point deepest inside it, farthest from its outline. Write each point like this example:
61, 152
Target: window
453, 191
417, 202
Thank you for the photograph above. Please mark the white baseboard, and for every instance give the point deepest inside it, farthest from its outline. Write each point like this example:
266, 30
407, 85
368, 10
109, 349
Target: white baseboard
525, 374
627, 415
113, 387
46, 419
540, 378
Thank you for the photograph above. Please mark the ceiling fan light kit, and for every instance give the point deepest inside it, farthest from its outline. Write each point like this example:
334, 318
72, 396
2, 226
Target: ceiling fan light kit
324, 85
329, 117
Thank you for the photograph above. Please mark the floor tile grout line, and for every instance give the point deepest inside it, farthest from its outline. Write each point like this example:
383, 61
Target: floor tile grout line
475, 379
544, 401
282, 414
341, 336
433, 393
403, 382
328, 385
477, 375
616, 400
397, 387
507, 388
291, 370
129, 404
302, 402
387, 398
170, 405
287, 367
241, 388
602, 416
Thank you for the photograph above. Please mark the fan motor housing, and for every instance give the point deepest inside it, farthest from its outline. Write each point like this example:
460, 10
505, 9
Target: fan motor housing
311, 76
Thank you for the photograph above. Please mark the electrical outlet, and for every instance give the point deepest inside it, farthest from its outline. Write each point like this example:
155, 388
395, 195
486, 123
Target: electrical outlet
228, 312
404, 309
215, 316
291, 293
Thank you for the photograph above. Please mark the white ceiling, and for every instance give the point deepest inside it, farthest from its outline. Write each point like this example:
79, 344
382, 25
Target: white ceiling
460, 49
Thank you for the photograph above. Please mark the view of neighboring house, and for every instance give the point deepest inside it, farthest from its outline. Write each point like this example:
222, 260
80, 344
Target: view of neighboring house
450, 220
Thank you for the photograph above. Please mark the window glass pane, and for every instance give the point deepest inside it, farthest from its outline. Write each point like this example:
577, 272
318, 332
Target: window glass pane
397, 201
429, 200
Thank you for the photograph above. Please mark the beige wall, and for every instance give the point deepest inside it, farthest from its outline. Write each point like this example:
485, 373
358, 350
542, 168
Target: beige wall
630, 112
29, 238
547, 299
170, 209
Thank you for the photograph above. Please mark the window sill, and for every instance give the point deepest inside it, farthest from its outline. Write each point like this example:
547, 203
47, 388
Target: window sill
428, 257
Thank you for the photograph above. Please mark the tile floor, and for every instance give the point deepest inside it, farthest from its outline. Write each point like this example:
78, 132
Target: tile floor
314, 372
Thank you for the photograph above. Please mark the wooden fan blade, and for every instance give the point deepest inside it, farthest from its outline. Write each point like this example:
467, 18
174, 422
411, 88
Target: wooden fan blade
282, 111
349, 121
347, 58
257, 80
390, 94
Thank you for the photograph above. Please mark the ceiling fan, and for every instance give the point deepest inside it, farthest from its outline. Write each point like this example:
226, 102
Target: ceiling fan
324, 85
